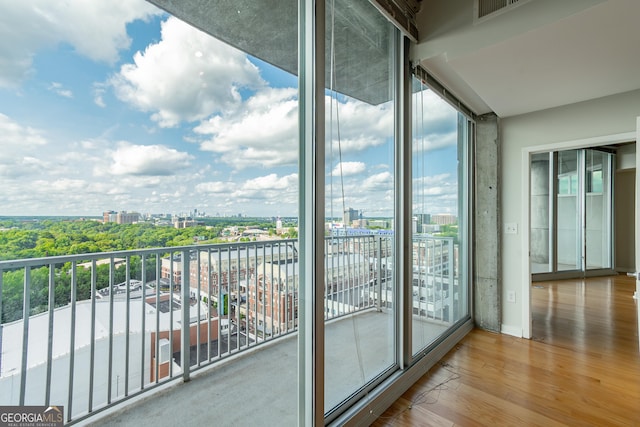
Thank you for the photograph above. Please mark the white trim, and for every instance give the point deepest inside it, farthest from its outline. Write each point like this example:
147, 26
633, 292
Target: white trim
525, 217
512, 330
636, 294
526, 226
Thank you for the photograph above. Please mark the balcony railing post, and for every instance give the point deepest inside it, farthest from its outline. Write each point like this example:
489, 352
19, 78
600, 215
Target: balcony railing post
51, 306
185, 356
379, 273
26, 309
72, 337
452, 313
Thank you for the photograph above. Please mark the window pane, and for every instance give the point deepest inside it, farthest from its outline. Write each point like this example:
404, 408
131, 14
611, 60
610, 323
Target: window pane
568, 240
359, 339
598, 209
121, 106
439, 218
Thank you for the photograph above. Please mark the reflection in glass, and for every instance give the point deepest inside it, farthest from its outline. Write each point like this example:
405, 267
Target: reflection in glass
359, 329
439, 144
569, 212
598, 209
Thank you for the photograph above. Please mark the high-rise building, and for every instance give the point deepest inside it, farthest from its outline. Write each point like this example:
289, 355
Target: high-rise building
122, 217
109, 216
125, 217
349, 216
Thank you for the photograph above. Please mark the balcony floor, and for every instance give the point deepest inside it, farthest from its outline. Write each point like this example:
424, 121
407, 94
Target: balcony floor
260, 387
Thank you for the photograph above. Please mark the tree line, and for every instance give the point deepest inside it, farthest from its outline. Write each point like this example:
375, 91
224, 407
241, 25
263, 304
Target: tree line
36, 239
21, 239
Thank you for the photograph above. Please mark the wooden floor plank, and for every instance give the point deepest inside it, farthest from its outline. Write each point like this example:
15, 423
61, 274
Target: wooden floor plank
581, 368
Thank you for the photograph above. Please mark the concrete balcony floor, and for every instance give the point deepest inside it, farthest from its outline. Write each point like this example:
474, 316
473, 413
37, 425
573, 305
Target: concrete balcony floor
260, 387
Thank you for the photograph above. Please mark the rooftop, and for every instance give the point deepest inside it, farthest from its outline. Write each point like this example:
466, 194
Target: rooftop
238, 385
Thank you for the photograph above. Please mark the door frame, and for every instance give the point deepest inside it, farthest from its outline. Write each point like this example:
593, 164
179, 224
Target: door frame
527, 320
636, 294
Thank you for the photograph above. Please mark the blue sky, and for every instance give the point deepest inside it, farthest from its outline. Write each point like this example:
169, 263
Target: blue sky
118, 106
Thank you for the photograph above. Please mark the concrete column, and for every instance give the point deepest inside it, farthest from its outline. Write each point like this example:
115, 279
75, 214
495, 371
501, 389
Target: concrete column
487, 286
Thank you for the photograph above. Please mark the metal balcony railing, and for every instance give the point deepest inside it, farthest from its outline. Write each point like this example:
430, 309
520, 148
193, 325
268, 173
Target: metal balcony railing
88, 331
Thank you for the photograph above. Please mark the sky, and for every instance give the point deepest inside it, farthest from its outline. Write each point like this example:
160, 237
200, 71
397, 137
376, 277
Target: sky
119, 106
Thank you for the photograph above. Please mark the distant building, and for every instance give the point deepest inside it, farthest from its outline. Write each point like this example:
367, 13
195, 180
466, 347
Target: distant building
255, 233
420, 220
271, 305
350, 215
360, 223
185, 222
122, 217
444, 219
109, 216
430, 228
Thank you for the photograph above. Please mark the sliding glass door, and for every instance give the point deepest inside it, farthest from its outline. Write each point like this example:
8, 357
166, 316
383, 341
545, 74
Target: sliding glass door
359, 199
440, 147
571, 212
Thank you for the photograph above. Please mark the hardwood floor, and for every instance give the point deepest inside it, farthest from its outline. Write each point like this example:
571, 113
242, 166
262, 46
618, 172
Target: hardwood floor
581, 369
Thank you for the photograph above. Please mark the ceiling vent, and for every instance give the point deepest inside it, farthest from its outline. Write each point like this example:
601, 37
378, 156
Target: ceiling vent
488, 8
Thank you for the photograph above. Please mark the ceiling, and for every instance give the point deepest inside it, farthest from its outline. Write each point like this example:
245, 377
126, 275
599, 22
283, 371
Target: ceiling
538, 55
542, 54
268, 30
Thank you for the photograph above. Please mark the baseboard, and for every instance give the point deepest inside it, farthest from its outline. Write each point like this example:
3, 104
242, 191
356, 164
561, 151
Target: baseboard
511, 330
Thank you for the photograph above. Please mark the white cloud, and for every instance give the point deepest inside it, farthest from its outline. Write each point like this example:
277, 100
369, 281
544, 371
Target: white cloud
349, 168
436, 123
22, 167
434, 142
379, 181
354, 126
64, 185
262, 132
435, 194
95, 29
15, 137
150, 160
263, 195
186, 76
21, 146
268, 190
98, 94
271, 182
214, 187
60, 90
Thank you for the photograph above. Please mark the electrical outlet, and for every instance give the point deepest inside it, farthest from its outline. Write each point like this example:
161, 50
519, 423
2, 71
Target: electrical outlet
511, 296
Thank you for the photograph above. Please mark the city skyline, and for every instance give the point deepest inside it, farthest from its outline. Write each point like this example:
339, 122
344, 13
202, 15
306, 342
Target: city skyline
95, 114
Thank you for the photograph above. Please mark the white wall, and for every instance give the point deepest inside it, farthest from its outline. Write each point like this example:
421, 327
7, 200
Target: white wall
626, 157
563, 127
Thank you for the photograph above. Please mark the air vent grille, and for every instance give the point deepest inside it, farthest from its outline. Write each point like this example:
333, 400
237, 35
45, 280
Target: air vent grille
488, 7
